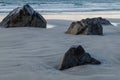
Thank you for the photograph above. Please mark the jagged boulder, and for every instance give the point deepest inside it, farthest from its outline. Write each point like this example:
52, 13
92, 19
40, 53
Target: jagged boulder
96, 20
23, 16
88, 26
76, 56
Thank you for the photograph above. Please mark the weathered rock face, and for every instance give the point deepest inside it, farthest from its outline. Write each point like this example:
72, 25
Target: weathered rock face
76, 56
88, 26
97, 20
24, 17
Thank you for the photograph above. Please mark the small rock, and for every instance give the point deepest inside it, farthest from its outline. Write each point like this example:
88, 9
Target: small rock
76, 56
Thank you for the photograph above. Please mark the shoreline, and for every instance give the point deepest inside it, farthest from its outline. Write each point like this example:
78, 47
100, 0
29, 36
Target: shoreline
82, 15
76, 15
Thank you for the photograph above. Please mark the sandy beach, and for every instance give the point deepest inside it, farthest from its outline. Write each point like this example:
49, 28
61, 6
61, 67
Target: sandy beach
82, 15
35, 53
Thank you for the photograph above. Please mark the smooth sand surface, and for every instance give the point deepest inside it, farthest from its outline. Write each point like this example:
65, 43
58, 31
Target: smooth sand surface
78, 16
35, 53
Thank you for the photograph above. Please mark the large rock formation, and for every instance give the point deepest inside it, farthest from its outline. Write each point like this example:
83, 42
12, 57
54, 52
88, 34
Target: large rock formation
23, 17
88, 26
76, 56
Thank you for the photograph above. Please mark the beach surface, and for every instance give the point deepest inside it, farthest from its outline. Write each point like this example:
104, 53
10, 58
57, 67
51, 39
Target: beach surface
36, 53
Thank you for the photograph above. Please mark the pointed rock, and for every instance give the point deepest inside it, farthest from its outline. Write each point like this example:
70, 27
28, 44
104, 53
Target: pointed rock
76, 56
23, 17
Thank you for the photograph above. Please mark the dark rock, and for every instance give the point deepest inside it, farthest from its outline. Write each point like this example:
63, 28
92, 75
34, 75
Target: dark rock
97, 20
88, 26
23, 17
76, 56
